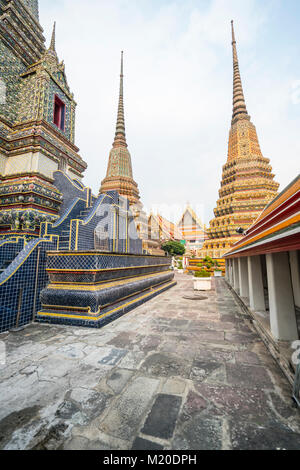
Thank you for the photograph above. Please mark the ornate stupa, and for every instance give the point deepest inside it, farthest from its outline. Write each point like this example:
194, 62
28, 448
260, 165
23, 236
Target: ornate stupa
119, 175
37, 123
247, 184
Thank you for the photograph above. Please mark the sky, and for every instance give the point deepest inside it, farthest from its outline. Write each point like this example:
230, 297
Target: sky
178, 88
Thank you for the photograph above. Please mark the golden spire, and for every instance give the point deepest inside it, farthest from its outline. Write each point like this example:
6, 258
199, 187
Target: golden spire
52, 44
120, 137
239, 105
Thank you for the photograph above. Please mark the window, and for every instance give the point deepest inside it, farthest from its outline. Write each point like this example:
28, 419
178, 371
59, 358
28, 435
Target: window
59, 113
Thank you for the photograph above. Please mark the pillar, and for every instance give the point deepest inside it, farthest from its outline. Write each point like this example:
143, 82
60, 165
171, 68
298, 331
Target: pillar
243, 277
236, 280
227, 274
256, 287
281, 299
295, 273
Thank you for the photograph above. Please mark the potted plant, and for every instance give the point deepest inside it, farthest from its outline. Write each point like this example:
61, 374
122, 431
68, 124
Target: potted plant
217, 270
202, 280
180, 267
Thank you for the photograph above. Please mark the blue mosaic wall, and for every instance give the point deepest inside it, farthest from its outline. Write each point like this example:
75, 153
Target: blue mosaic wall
70, 189
9, 249
18, 288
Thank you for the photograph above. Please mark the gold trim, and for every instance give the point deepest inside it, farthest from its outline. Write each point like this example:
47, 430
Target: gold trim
58, 315
103, 284
99, 253
71, 283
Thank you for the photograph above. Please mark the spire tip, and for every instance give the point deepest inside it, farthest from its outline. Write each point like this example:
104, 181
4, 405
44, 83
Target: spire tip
52, 43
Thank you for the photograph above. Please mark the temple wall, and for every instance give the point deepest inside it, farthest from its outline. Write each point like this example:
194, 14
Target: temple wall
30, 162
2, 164
10, 69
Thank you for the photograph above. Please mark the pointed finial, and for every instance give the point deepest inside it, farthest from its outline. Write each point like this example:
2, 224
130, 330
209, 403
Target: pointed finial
52, 44
120, 136
232, 31
239, 104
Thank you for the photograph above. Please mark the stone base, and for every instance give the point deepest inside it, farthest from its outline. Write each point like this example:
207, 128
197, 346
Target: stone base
92, 289
106, 315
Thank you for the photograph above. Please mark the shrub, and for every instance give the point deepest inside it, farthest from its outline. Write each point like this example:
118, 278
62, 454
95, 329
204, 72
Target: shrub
202, 273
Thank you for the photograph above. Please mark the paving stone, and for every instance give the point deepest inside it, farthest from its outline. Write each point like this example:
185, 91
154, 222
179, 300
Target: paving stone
132, 360
166, 365
162, 417
92, 403
250, 404
87, 376
144, 444
215, 355
204, 370
271, 436
209, 336
238, 392
150, 343
248, 376
118, 379
174, 387
105, 356
76, 443
123, 340
199, 434
54, 367
247, 357
124, 418
71, 351
194, 404
240, 338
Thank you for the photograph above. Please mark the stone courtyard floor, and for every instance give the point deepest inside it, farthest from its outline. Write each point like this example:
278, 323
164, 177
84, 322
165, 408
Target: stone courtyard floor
173, 374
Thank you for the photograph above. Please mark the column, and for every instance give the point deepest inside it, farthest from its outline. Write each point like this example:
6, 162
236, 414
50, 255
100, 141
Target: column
231, 272
236, 280
295, 273
256, 287
281, 299
227, 277
243, 277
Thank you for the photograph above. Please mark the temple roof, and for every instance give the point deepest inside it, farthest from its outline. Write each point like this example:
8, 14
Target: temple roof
276, 229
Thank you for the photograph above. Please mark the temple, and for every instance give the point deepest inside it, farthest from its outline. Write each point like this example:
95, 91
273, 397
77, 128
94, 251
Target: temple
247, 184
193, 231
119, 175
66, 255
37, 123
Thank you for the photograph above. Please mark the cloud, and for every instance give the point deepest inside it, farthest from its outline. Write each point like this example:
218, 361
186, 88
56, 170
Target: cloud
178, 89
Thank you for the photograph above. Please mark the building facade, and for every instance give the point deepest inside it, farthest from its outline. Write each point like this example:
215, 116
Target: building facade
264, 270
247, 184
37, 122
193, 231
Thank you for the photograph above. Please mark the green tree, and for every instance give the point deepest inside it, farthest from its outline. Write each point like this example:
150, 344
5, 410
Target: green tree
173, 248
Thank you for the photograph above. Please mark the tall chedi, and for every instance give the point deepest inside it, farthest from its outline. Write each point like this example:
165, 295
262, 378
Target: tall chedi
247, 181
119, 176
37, 123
